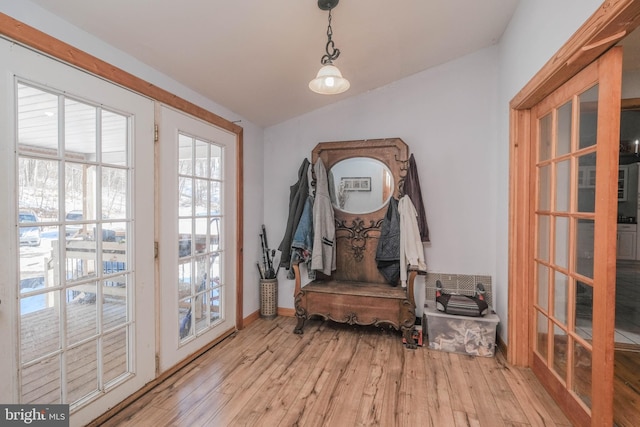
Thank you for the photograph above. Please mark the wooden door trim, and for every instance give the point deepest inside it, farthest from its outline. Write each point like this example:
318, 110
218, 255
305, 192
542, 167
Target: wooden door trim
605, 251
30, 37
609, 24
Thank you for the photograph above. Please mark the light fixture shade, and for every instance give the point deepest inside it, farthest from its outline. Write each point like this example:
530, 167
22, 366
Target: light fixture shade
329, 81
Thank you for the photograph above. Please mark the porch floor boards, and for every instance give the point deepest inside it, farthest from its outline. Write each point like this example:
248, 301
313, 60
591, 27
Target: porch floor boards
40, 336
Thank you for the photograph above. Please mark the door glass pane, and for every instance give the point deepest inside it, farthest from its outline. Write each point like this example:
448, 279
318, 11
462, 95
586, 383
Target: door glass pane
114, 292
114, 139
584, 247
560, 300
215, 296
543, 287
546, 138
185, 155
542, 335
80, 186
562, 242
38, 115
75, 266
582, 378
543, 237
215, 200
39, 325
584, 310
82, 313
82, 366
216, 162
544, 188
114, 193
80, 130
588, 117
560, 346
36, 199
563, 185
41, 382
114, 355
185, 318
563, 145
587, 183
202, 164
80, 261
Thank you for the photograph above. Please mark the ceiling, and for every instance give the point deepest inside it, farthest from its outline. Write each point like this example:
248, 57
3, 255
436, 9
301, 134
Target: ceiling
256, 57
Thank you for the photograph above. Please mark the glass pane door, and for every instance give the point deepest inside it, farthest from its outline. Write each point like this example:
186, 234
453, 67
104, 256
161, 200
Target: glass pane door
564, 273
197, 234
78, 306
575, 204
75, 262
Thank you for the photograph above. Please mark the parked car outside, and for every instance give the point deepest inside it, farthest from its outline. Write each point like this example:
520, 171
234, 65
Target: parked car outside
72, 229
29, 235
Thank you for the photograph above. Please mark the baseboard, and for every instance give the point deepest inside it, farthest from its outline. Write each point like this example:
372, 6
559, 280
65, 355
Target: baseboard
502, 347
250, 319
286, 312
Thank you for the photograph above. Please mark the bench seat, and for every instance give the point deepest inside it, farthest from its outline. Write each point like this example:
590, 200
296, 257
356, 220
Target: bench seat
357, 303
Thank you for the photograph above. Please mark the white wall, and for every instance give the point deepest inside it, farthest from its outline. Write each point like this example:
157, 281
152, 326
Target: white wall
447, 117
43, 20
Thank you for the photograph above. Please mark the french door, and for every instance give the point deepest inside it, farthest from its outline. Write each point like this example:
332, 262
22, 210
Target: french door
575, 133
197, 234
77, 282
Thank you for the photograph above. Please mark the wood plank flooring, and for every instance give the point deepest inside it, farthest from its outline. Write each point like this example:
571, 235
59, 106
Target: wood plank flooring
626, 383
340, 375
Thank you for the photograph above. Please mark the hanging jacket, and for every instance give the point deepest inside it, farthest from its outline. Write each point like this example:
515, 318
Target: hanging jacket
388, 250
297, 197
411, 249
412, 189
323, 257
302, 244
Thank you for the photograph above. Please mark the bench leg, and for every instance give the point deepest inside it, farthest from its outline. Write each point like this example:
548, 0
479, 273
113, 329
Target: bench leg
300, 325
407, 334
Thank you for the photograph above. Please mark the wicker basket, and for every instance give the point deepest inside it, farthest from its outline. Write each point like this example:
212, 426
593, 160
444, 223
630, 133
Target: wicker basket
268, 298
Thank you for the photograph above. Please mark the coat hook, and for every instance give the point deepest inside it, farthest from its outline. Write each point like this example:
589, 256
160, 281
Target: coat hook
404, 164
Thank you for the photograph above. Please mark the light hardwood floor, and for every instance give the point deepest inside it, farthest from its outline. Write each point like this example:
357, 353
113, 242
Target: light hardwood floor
340, 375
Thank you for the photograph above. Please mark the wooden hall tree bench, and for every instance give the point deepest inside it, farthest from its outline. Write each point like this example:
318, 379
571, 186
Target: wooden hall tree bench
365, 174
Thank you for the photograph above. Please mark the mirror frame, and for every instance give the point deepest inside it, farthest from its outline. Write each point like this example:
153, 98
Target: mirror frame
392, 152
357, 233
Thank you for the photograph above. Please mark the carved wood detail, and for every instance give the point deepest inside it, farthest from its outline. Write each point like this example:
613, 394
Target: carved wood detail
357, 234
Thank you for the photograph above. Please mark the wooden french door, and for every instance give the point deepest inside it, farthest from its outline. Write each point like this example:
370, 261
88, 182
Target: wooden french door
573, 185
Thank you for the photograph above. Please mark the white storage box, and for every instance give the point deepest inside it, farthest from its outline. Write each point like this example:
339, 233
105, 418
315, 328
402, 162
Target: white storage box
475, 336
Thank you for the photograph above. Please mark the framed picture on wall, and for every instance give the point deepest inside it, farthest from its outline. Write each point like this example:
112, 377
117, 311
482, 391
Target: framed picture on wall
356, 183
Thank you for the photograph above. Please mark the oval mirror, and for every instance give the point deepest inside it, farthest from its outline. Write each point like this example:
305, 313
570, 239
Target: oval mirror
360, 185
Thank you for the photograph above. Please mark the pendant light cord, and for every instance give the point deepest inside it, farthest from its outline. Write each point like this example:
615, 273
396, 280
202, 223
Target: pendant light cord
334, 53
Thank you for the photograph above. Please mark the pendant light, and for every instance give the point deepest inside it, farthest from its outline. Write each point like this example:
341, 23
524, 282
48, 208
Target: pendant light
329, 80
